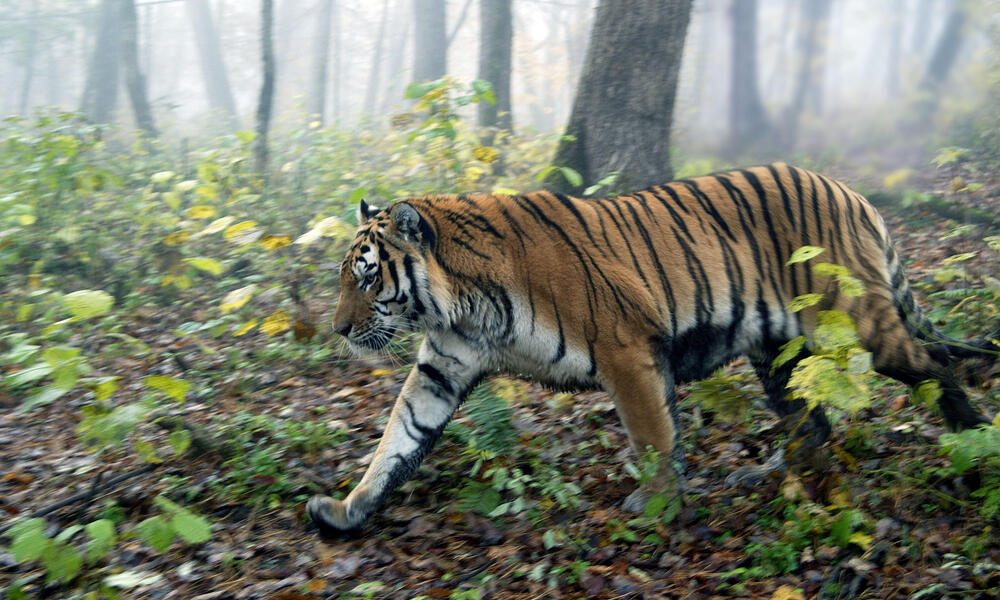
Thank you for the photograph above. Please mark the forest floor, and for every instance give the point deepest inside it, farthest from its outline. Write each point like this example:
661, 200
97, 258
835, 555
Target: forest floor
886, 519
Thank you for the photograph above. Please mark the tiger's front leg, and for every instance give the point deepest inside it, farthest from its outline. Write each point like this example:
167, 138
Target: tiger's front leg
433, 390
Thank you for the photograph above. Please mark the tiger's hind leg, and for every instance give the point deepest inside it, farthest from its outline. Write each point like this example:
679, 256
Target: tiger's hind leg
644, 396
808, 430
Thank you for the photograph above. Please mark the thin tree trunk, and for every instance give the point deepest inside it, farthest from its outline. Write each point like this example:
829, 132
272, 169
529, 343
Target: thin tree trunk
812, 38
459, 22
134, 81
939, 66
213, 69
625, 100
430, 60
496, 41
337, 76
894, 52
100, 96
921, 28
29, 65
375, 75
321, 57
266, 100
397, 54
748, 123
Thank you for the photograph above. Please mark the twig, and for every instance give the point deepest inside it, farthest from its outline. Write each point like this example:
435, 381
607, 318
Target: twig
90, 493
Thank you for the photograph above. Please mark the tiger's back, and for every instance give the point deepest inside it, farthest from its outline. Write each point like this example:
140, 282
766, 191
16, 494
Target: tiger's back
632, 294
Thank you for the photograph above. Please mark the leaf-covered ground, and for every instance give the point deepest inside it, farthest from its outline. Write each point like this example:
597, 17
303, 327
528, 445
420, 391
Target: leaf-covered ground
884, 518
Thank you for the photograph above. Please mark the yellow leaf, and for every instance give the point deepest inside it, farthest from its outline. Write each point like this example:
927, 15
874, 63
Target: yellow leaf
176, 239
237, 298
186, 186
839, 498
897, 177
201, 211
246, 327
996, 420
503, 191
327, 227
85, 304
276, 323
217, 225
239, 228
273, 242
206, 264
172, 199
381, 372
787, 592
161, 177
27, 219
861, 540
485, 154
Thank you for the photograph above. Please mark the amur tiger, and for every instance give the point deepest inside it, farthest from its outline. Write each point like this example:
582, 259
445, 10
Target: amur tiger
634, 294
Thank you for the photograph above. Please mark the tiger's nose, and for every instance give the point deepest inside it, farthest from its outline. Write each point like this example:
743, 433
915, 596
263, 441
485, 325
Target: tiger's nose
345, 330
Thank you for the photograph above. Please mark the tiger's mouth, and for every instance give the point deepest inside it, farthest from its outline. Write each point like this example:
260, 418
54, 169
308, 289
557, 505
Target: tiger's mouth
372, 340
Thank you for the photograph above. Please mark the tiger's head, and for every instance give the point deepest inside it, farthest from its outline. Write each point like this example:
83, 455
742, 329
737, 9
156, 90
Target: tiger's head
384, 287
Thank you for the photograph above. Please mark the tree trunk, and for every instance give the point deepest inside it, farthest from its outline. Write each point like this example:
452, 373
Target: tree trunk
812, 38
496, 40
29, 60
397, 54
894, 64
266, 100
135, 83
337, 75
748, 123
316, 101
921, 28
430, 60
100, 95
213, 69
939, 66
625, 100
375, 74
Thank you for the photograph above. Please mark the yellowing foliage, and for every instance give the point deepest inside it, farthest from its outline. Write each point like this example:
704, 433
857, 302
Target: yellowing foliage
201, 211
276, 323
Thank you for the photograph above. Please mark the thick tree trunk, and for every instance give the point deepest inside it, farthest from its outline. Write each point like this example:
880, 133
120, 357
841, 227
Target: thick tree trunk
100, 95
266, 100
316, 102
375, 74
430, 52
625, 100
748, 123
940, 63
496, 41
213, 69
135, 83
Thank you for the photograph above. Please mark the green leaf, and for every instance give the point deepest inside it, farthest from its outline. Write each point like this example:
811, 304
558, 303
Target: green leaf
103, 390
928, 392
545, 172
146, 451
62, 562
102, 538
246, 136
29, 544
27, 375
357, 195
180, 440
804, 253
58, 356
830, 270
789, 350
851, 286
572, 176
194, 529
167, 505
840, 531
67, 534
171, 386
804, 301
859, 363
209, 265
655, 505
161, 177
835, 330
88, 303
44, 396
157, 532
419, 89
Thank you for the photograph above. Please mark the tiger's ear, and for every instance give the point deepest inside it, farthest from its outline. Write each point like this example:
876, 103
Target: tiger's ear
410, 224
366, 211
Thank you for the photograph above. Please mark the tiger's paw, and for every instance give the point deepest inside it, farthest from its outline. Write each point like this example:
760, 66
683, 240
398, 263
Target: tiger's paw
330, 516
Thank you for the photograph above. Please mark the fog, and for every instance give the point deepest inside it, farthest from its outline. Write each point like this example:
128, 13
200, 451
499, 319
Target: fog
869, 67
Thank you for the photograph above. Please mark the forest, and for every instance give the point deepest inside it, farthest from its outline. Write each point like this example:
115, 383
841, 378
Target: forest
180, 181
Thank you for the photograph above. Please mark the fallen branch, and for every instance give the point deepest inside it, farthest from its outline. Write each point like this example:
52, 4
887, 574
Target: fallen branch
88, 494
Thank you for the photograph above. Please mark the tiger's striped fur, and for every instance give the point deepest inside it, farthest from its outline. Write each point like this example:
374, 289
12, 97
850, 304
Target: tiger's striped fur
632, 294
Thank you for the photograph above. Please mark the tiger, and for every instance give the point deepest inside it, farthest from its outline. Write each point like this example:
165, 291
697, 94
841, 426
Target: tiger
633, 294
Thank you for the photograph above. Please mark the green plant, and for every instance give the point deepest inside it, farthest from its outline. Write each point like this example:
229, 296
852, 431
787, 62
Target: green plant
978, 449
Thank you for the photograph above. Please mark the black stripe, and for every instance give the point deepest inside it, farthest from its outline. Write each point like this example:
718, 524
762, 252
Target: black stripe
440, 381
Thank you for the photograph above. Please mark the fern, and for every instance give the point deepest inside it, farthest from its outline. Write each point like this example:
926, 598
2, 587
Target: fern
963, 293
489, 409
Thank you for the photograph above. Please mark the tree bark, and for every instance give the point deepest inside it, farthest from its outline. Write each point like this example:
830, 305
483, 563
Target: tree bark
496, 41
430, 60
375, 74
625, 99
321, 58
266, 100
748, 124
100, 95
397, 54
213, 69
135, 83
29, 60
946, 49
